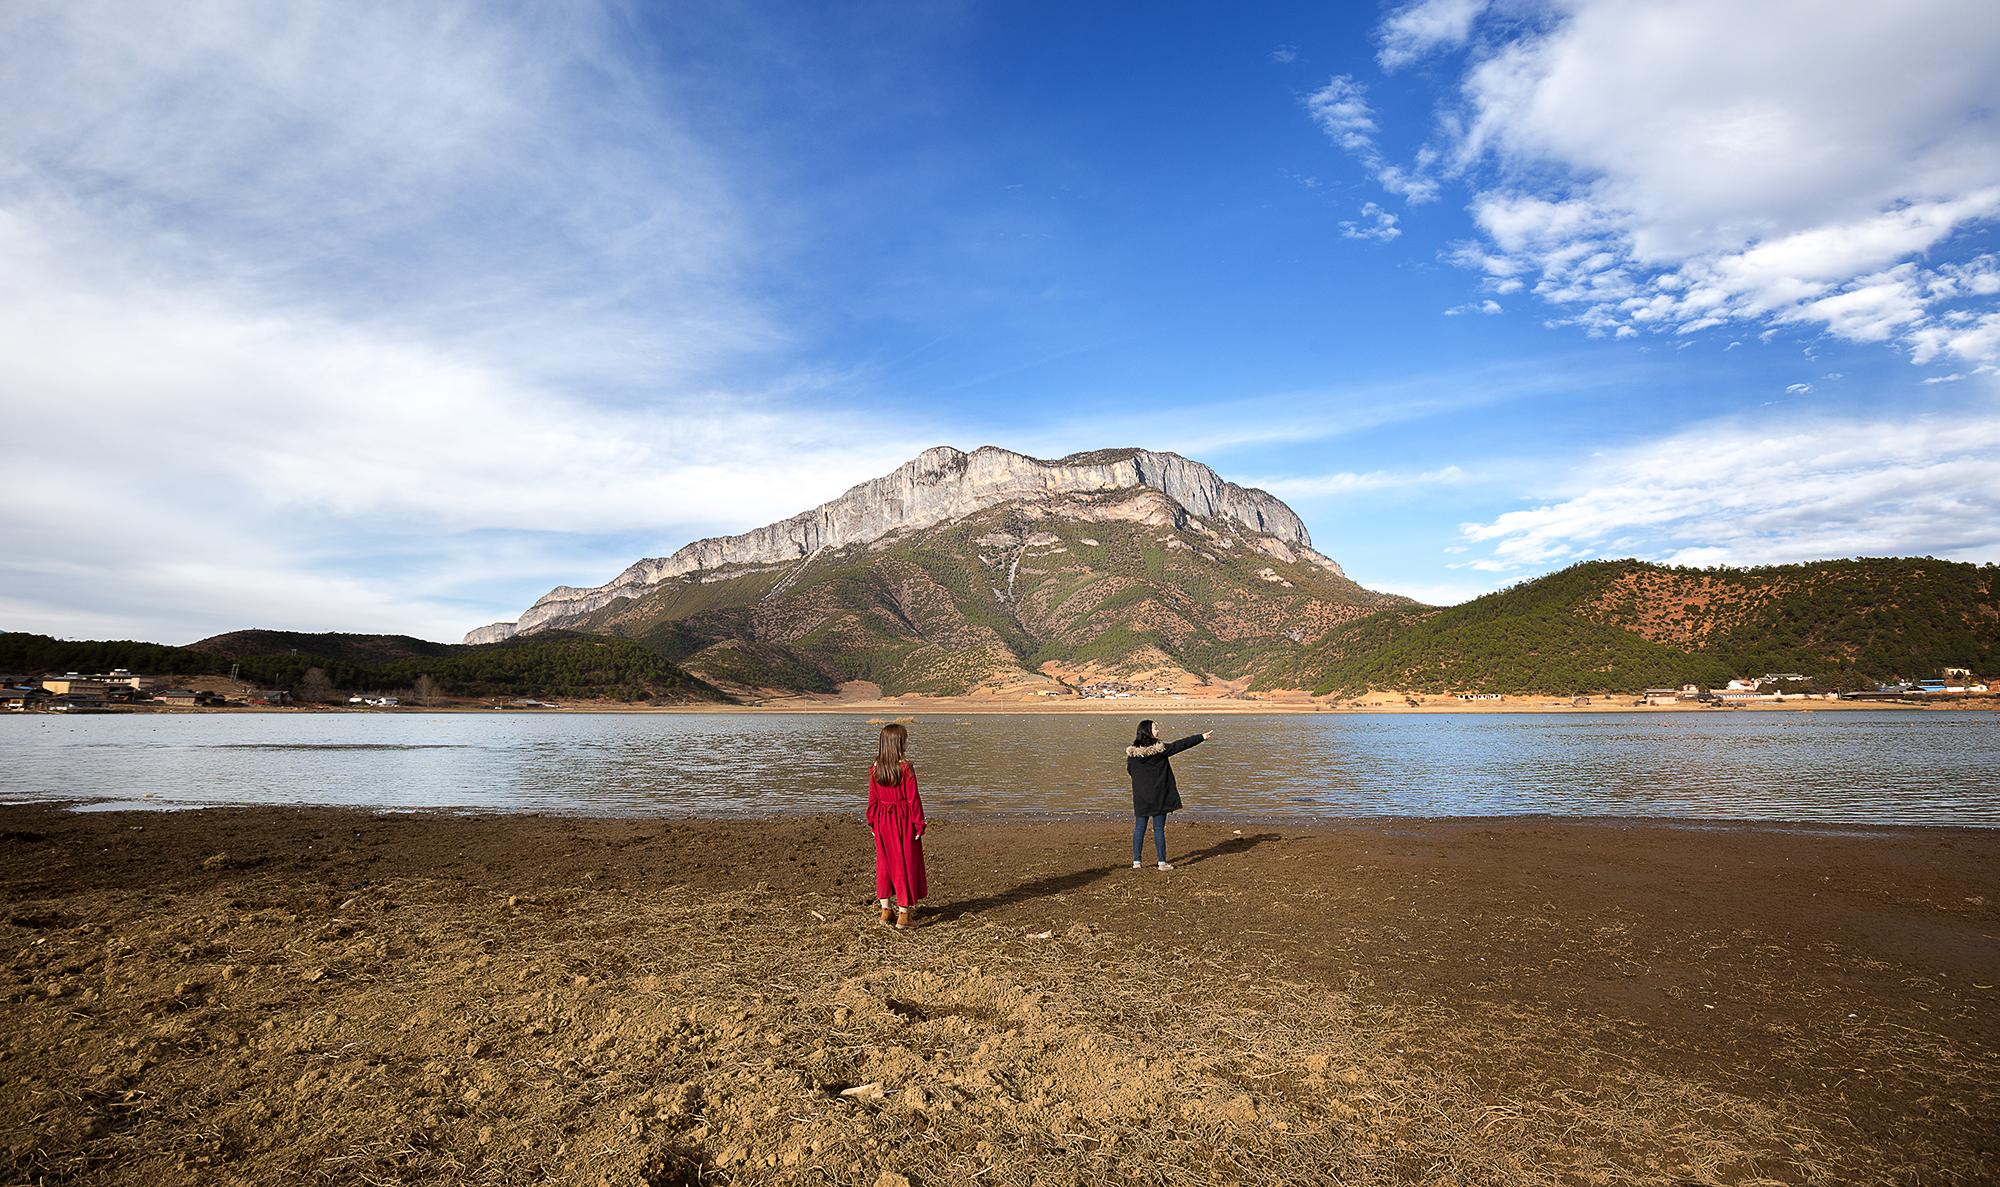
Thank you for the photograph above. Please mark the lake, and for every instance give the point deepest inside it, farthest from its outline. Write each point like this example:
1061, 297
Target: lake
1864, 767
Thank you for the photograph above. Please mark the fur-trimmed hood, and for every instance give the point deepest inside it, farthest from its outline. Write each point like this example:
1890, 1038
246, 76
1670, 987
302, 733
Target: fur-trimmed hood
1145, 751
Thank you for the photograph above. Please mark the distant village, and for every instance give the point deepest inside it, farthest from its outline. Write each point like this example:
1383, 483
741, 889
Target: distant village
1111, 690
74, 691
1787, 686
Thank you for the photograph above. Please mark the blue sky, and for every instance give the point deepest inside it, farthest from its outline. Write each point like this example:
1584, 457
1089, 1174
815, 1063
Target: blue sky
380, 317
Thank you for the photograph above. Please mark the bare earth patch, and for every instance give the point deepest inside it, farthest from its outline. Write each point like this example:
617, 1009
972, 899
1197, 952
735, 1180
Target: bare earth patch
260, 996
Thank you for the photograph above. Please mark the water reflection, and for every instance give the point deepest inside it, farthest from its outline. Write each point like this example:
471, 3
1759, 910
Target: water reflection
1864, 767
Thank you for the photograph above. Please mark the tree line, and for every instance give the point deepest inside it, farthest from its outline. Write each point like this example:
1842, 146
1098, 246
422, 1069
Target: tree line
567, 665
1842, 624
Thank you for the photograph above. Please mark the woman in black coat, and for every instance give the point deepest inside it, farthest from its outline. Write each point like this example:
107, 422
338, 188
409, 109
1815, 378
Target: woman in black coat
1153, 791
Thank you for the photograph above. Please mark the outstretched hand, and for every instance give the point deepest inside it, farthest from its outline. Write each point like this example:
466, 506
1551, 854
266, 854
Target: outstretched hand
1207, 734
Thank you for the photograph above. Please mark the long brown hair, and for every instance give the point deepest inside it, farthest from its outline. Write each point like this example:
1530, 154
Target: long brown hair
889, 762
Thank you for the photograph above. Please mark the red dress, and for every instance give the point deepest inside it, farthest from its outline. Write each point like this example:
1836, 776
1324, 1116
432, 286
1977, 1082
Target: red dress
896, 817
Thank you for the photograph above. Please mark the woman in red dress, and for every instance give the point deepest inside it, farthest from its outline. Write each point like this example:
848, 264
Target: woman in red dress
896, 817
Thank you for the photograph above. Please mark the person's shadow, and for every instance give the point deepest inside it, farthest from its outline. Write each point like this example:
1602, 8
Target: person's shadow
1064, 883
1225, 848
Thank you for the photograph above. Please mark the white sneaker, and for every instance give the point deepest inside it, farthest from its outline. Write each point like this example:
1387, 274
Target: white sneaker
1137, 864
1165, 866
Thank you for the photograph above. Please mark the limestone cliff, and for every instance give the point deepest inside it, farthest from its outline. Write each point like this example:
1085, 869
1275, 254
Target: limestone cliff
939, 485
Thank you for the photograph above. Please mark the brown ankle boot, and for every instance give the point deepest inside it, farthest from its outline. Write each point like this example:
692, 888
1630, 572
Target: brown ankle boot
903, 917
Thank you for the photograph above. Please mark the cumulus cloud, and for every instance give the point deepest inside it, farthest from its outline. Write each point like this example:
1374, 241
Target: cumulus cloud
1740, 495
1381, 226
1676, 166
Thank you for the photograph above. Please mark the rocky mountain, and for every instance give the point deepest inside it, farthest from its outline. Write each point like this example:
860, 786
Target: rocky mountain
940, 484
987, 571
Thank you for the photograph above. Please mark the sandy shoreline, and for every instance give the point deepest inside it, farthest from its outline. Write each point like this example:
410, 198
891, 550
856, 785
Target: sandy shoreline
262, 995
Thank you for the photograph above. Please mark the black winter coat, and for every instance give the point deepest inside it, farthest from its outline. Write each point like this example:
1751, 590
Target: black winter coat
1153, 789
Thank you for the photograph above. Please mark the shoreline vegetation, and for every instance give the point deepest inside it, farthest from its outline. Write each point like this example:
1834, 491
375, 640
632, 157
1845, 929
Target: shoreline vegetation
779, 701
254, 995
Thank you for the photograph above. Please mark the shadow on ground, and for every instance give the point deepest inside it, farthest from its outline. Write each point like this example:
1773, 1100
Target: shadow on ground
1077, 880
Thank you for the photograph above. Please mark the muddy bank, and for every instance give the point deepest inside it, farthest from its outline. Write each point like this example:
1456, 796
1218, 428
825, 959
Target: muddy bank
267, 995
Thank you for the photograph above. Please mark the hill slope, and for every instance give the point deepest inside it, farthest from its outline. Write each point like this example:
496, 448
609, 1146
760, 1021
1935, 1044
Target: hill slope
989, 571
1620, 626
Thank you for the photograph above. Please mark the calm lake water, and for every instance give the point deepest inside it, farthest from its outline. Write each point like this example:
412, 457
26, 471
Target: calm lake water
1885, 767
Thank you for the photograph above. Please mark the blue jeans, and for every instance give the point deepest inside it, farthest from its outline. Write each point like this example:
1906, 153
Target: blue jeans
1159, 836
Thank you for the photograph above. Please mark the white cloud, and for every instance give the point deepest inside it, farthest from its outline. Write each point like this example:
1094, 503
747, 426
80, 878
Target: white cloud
1429, 593
1412, 32
363, 315
1968, 338
1348, 482
309, 413
476, 173
1382, 230
1691, 163
1341, 110
242, 466
1284, 55
1744, 495
1217, 430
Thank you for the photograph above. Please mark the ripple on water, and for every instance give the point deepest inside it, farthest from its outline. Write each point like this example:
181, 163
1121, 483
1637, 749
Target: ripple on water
1866, 767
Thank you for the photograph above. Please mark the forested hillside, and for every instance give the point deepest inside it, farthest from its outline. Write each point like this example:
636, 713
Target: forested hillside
1621, 626
360, 650
993, 597
554, 664
1853, 620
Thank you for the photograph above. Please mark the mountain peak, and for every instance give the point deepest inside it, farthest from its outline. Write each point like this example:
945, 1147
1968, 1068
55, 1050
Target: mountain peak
939, 484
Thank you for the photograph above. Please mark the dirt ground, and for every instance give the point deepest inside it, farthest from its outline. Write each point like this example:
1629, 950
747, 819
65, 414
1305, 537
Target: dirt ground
271, 995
